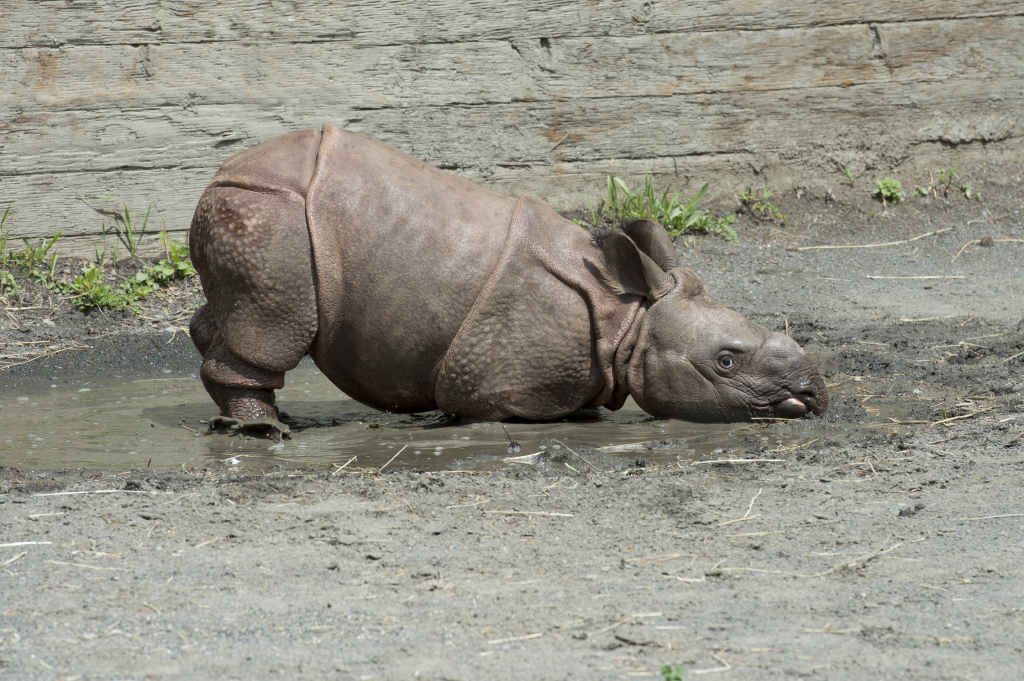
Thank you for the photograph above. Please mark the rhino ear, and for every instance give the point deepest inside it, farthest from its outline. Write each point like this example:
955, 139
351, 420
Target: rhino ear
630, 271
691, 284
652, 239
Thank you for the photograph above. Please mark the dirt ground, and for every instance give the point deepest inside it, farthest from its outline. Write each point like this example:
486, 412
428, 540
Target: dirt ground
888, 545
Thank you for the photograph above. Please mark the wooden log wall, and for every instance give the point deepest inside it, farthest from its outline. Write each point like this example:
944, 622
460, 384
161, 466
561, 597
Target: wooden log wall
144, 99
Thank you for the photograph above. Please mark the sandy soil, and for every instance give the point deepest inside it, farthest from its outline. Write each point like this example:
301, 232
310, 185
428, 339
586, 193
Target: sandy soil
890, 546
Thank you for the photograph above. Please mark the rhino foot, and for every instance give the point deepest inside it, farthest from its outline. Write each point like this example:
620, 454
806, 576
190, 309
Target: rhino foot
263, 427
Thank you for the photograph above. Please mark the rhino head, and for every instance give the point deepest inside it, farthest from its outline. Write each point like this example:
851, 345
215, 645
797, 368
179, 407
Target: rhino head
694, 358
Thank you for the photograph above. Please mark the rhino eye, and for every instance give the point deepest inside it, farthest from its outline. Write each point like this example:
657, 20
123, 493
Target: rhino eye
726, 362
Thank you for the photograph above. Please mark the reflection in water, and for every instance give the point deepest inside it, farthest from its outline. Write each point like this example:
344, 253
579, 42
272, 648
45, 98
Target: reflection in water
125, 423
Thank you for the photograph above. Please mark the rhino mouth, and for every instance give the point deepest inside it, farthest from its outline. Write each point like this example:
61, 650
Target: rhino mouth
812, 399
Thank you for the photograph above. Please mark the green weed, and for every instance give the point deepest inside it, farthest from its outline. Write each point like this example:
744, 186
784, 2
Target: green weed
90, 290
127, 232
762, 208
37, 262
849, 175
7, 281
889, 190
672, 673
944, 183
947, 176
625, 203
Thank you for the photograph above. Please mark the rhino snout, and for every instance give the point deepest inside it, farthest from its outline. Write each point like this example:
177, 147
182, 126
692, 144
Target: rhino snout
809, 397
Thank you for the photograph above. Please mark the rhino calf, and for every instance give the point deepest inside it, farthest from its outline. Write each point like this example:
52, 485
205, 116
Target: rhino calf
414, 289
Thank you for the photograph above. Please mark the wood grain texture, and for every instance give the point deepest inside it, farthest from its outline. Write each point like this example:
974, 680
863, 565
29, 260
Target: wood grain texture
396, 22
144, 100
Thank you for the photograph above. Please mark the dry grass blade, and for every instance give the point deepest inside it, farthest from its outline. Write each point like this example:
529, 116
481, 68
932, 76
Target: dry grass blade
625, 447
738, 520
392, 459
628, 618
69, 494
23, 543
965, 416
730, 461
84, 566
926, 319
342, 466
524, 459
726, 667
928, 276
11, 560
515, 638
580, 457
44, 355
845, 565
992, 517
540, 513
885, 245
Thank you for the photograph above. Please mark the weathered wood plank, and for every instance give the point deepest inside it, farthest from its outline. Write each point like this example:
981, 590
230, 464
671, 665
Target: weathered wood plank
485, 136
804, 138
183, 115
395, 22
501, 71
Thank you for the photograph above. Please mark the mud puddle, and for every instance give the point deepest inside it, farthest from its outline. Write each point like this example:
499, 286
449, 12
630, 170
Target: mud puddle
120, 422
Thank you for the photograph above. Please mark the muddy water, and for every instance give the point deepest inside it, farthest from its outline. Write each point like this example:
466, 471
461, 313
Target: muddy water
118, 422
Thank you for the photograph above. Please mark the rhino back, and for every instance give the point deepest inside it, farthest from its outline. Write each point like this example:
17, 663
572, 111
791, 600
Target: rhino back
285, 162
402, 251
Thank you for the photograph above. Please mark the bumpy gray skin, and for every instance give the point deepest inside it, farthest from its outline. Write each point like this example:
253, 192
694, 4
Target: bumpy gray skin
413, 289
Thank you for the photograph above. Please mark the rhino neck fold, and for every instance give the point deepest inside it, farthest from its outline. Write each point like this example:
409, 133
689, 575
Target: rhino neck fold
623, 356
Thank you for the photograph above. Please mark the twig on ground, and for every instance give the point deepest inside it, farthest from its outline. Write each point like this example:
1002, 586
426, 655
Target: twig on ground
926, 319
342, 466
991, 517
965, 416
885, 245
515, 638
391, 459
624, 620
11, 560
929, 276
580, 457
541, 513
46, 354
731, 461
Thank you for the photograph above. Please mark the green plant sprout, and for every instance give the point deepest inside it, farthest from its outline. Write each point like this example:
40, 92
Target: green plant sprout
849, 175
889, 190
672, 673
7, 281
129, 235
765, 209
33, 261
90, 291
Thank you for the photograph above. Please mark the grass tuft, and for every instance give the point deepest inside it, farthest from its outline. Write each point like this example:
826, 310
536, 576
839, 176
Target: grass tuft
672, 673
625, 203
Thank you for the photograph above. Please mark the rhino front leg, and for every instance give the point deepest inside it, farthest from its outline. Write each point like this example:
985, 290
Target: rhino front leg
244, 392
253, 255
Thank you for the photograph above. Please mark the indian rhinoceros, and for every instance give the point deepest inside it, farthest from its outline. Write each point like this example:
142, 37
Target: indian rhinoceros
413, 289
